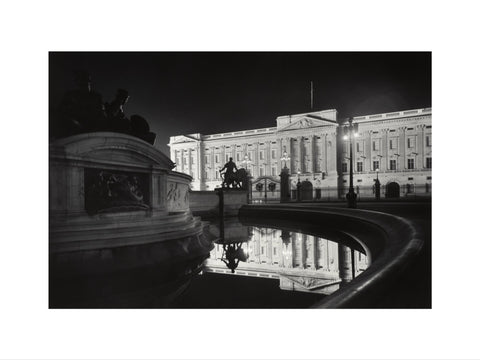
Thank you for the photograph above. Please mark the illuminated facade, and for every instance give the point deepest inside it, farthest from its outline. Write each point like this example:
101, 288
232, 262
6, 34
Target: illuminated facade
398, 144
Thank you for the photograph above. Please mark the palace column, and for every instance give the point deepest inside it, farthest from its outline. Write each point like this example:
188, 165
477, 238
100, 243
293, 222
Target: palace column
330, 153
291, 154
420, 146
181, 165
280, 144
402, 141
299, 154
313, 155
384, 147
201, 165
256, 156
212, 162
368, 151
189, 162
268, 158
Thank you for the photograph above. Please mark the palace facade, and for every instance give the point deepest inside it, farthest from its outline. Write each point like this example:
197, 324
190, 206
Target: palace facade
396, 147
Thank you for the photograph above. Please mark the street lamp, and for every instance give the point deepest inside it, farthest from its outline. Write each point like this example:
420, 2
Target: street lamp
350, 132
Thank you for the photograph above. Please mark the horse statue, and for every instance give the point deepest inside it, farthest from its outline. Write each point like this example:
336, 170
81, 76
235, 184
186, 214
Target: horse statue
238, 179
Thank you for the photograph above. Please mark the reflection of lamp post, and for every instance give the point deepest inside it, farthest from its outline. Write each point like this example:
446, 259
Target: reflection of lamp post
350, 131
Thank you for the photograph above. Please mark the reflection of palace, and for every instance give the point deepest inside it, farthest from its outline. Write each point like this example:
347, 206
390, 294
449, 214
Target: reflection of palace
301, 262
398, 144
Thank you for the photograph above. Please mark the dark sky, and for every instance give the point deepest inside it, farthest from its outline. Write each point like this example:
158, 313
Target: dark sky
181, 93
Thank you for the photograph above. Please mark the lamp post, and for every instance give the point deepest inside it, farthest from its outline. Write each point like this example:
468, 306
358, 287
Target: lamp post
350, 132
284, 179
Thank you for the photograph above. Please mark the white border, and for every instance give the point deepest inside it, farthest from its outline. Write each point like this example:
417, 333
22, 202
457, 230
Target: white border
30, 29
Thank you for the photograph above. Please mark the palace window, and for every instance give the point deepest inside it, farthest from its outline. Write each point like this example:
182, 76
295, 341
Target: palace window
261, 154
239, 154
359, 166
428, 162
427, 141
216, 158
411, 142
344, 167
206, 159
374, 145
410, 164
274, 154
393, 164
274, 171
262, 171
358, 146
376, 165
392, 144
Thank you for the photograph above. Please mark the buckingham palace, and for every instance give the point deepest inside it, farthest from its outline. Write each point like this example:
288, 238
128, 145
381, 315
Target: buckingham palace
395, 148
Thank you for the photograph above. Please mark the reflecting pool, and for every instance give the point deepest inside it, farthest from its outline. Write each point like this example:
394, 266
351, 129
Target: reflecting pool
239, 265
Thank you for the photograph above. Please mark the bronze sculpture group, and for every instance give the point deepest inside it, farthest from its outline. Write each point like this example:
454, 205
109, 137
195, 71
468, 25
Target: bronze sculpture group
82, 110
236, 179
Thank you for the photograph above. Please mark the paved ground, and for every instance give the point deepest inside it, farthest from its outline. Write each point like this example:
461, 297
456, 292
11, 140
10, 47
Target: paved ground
413, 288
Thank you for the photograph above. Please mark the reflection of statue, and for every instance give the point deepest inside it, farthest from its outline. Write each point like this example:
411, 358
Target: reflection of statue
81, 110
232, 255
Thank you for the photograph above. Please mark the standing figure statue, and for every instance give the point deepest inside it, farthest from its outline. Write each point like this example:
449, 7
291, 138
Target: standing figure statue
229, 176
80, 110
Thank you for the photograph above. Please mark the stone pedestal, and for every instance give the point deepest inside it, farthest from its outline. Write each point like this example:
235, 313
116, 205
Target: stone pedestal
284, 185
109, 189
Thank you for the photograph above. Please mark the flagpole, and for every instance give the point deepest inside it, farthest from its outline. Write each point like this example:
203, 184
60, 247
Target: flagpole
311, 95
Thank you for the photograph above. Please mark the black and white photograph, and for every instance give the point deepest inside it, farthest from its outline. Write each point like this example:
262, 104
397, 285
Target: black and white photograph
239, 180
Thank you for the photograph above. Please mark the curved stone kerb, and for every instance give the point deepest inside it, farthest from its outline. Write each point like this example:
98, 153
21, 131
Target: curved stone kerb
394, 248
110, 146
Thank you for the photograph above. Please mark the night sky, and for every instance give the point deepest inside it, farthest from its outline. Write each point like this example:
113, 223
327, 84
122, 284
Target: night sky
181, 93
